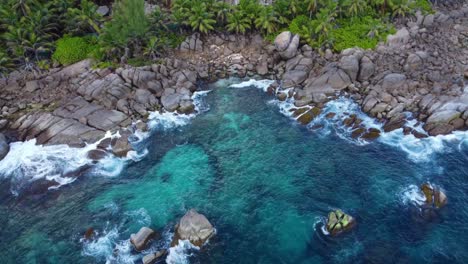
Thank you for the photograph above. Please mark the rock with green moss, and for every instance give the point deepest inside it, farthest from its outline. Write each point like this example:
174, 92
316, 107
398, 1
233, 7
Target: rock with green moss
435, 197
308, 116
339, 222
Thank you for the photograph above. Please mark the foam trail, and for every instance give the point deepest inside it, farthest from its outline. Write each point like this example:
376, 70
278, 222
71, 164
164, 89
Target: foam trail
169, 120
108, 247
180, 253
27, 162
260, 84
418, 150
412, 195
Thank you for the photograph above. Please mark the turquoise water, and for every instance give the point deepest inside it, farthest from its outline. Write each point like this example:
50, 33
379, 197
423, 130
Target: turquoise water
265, 183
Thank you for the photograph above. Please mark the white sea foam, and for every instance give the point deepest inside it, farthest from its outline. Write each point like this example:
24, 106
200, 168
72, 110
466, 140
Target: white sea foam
412, 195
180, 253
417, 149
27, 162
169, 120
109, 247
260, 84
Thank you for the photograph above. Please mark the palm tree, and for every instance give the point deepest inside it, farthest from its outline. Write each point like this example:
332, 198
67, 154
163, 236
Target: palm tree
312, 6
324, 22
85, 17
294, 7
153, 47
6, 64
355, 7
24, 7
222, 10
200, 19
238, 22
401, 8
267, 20
14, 38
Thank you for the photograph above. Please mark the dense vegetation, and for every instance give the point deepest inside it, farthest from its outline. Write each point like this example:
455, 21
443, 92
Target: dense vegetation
32, 30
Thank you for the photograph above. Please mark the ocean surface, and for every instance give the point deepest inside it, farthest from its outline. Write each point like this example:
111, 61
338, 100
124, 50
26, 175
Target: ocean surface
263, 180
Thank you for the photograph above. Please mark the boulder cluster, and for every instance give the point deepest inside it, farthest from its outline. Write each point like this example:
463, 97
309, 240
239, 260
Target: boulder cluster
193, 227
421, 69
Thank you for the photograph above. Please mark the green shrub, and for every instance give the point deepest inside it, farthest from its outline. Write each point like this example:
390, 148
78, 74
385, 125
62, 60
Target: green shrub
363, 32
297, 25
424, 5
138, 62
73, 49
128, 23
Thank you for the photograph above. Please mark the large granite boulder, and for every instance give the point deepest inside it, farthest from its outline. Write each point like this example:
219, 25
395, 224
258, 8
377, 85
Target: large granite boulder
171, 102
367, 69
194, 227
287, 44
339, 222
4, 147
393, 81
140, 240
350, 65
399, 39
121, 146
153, 257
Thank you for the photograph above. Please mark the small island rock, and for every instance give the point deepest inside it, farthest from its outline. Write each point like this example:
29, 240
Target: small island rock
339, 222
194, 227
140, 240
434, 196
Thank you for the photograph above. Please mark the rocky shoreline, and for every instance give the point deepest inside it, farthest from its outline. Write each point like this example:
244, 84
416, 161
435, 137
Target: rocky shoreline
422, 69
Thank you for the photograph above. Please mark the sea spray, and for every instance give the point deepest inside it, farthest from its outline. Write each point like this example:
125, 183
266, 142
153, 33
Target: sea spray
417, 149
412, 195
180, 253
169, 120
112, 244
27, 162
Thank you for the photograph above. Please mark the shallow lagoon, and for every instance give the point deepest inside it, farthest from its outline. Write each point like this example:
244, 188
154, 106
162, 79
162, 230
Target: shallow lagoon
264, 181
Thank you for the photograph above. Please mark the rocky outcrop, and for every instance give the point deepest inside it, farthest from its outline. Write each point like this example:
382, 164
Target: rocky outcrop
287, 44
338, 222
140, 240
193, 227
420, 70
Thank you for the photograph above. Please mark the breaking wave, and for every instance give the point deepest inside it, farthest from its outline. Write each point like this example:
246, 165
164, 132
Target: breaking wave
169, 120
56, 165
417, 149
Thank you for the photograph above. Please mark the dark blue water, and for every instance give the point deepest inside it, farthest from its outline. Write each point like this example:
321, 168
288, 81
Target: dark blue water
265, 183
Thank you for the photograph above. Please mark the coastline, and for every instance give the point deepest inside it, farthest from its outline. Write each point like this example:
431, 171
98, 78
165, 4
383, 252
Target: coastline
415, 71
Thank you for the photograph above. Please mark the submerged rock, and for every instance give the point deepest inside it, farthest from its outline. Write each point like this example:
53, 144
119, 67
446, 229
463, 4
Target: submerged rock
339, 222
308, 116
97, 154
153, 257
194, 227
371, 134
89, 234
121, 146
140, 240
435, 197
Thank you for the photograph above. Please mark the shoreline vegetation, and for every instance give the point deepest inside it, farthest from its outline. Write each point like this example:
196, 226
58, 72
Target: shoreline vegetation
74, 71
40, 34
